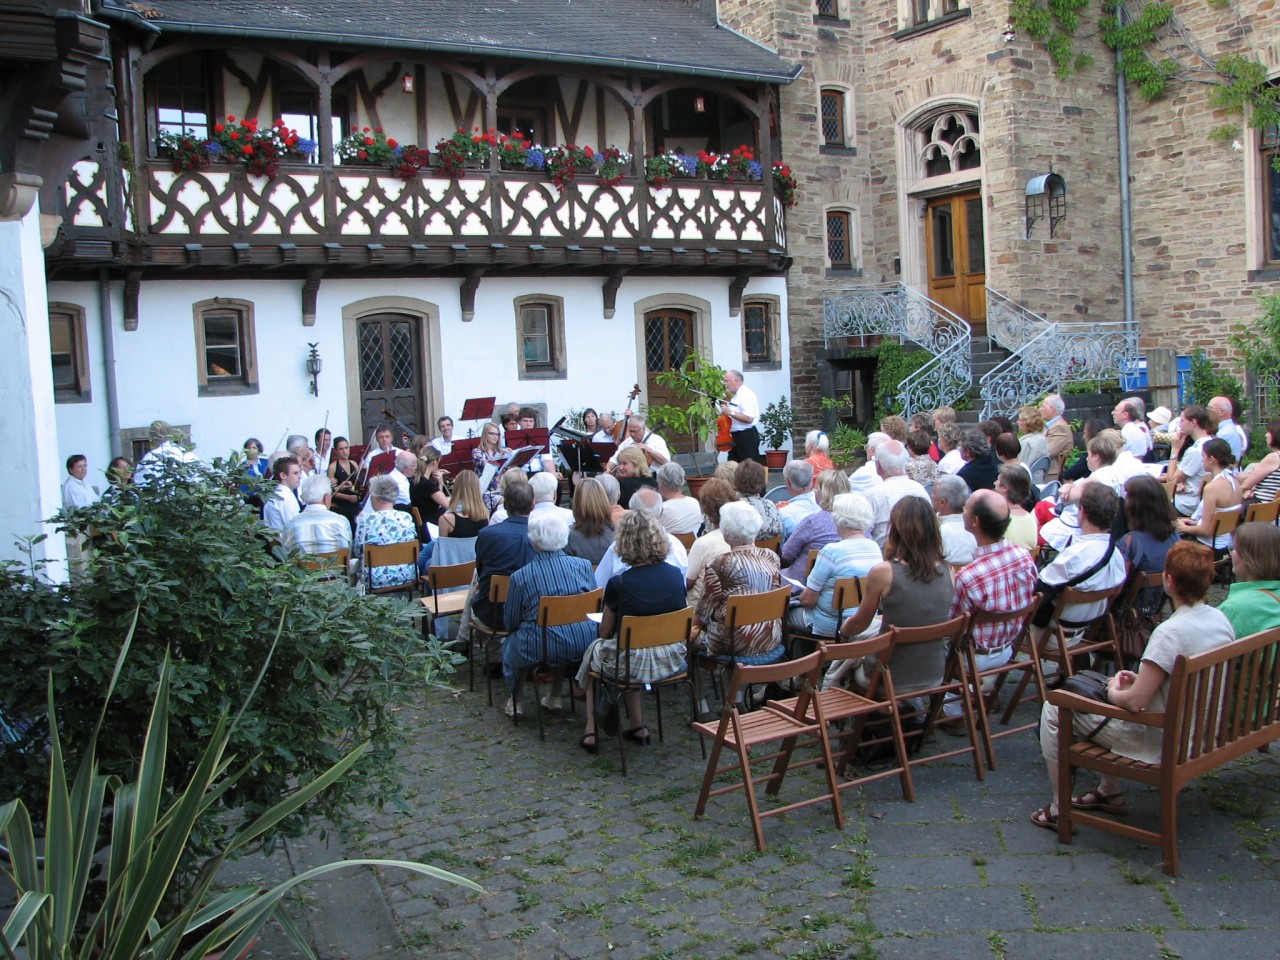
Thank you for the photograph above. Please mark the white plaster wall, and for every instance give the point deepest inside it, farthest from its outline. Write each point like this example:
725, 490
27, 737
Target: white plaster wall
157, 362
30, 471
82, 427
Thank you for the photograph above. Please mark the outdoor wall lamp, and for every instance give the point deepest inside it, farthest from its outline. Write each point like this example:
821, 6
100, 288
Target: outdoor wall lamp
314, 365
406, 83
1046, 196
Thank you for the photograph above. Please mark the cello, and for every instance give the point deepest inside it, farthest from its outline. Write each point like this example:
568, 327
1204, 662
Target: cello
620, 428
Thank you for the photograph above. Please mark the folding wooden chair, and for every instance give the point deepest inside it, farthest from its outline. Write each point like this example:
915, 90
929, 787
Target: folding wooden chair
686, 539
1263, 512
743, 610
741, 732
417, 521
498, 585
974, 678
839, 704
773, 543
644, 633
448, 586
391, 555
333, 565
558, 612
1224, 522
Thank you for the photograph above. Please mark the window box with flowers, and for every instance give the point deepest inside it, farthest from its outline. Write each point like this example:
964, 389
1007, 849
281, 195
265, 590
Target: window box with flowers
513, 151
464, 151
612, 164
374, 147
784, 184
741, 164
668, 165
236, 141
564, 163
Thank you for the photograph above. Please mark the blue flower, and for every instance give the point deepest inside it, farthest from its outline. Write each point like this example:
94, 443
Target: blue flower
305, 146
213, 146
755, 170
535, 159
687, 165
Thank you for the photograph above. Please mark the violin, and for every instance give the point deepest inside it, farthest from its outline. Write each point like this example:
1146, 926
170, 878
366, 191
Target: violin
620, 428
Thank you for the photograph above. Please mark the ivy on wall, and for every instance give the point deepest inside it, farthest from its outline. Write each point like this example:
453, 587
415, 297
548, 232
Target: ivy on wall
1238, 82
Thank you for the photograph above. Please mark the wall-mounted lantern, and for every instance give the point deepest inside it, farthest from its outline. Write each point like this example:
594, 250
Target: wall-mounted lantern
314, 365
406, 83
1046, 197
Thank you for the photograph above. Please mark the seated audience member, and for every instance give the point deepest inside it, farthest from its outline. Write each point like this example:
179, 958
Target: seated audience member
949, 496
551, 573
1194, 627
649, 501
1194, 428
1014, 484
853, 555
1081, 469
546, 491
949, 436
1220, 494
921, 468
467, 514
426, 485
743, 569
1223, 411
255, 464
1253, 599
680, 514
816, 530
891, 463
867, 477
76, 490
1150, 519
911, 587
924, 423
633, 473
1090, 550
801, 497
1006, 447
895, 427
382, 526
1032, 442
980, 463
712, 499
726, 471
1263, 481
1130, 419
502, 548
1001, 579
283, 504
593, 529
646, 585
1058, 435
816, 445
749, 479
317, 529
613, 492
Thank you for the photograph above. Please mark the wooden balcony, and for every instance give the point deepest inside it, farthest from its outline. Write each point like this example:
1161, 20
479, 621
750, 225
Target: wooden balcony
359, 217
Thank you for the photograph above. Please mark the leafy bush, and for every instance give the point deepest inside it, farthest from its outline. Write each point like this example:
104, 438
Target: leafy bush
195, 564
1204, 382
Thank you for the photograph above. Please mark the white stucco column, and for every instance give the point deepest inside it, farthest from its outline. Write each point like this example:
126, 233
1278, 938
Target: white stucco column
30, 474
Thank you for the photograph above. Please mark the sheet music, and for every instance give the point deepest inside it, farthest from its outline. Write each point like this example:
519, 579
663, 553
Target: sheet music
487, 474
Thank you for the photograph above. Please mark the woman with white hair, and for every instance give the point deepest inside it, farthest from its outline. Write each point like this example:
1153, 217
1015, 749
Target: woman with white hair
745, 569
853, 555
551, 573
817, 529
816, 445
382, 526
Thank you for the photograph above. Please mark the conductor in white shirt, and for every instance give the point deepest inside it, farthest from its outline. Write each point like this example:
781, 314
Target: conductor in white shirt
743, 409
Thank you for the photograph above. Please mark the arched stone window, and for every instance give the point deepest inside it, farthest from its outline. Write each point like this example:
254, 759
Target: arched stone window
949, 143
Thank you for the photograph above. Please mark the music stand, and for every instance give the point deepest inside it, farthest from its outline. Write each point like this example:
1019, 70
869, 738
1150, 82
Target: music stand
533, 437
581, 456
459, 456
478, 408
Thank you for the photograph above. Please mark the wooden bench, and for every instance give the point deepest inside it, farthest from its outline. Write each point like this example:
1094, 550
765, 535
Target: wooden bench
1222, 705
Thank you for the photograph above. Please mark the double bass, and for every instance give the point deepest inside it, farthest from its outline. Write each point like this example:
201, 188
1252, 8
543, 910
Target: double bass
620, 428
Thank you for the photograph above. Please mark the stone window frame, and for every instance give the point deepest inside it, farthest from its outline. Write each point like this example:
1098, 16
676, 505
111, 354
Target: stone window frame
772, 307
826, 9
557, 367
918, 16
850, 263
843, 99
77, 391
246, 381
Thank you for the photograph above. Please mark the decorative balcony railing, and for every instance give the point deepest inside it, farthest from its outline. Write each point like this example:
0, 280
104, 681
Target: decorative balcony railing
350, 204
896, 310
1047, 355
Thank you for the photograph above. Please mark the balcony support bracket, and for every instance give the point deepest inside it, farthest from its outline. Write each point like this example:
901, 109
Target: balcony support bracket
736, 286
310, 294
611, 286
467, 293
132, 288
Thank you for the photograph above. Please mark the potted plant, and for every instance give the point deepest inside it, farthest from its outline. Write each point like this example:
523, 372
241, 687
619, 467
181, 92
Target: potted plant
186, 150
513, 151
462, 150
784, 184
695, 386
662, 167
776, 422
612, 166
241, 141
140, 906
563, 163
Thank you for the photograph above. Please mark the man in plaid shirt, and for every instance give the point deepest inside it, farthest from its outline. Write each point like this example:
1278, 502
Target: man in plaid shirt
1001, 578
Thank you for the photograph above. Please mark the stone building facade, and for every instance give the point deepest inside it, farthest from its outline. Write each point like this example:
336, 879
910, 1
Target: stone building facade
890, 87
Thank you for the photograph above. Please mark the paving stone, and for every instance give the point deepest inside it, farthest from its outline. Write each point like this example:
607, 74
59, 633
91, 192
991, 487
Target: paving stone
936, 838
1216, 944
1104, 906
1073, 946
964, 909
922, 872
1227, 904
964, 946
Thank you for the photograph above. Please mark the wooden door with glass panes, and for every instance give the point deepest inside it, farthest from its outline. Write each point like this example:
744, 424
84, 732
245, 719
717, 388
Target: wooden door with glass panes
390, 354
668, 340
956, 254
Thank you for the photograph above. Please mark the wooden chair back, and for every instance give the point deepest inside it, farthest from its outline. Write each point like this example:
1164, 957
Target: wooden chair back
391, 554
849, 592
452, 576
686, 539
417, 520
813, 558
559, 611
773, 543
1263, 512
499, 583
953, 628
1224, 521
746, 609
334, 560
1170, 486
656, 630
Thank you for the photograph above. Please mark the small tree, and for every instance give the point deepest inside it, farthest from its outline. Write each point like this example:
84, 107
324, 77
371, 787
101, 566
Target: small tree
776, 420
695, 387
1259, 344
1205, 381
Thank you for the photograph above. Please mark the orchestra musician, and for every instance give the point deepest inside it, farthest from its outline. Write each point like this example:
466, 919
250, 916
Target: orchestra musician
342, 475
490, 450
649, 443
742, 407
604, 430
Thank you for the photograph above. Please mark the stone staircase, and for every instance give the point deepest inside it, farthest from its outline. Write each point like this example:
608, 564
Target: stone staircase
984, 356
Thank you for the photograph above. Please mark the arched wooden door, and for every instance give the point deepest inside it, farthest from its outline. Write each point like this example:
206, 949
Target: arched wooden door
668, 340
956, 253
390, 357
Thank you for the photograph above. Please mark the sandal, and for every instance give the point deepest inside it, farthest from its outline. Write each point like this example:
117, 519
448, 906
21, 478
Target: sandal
635, 736
551, 705
588, 743
1045, 818
1101, 802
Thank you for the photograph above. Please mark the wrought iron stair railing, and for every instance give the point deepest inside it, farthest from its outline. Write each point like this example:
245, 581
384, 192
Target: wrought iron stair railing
896, 310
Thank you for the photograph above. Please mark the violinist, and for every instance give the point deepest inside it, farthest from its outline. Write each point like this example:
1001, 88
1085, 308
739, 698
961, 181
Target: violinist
650, 444
604, 430
743, 409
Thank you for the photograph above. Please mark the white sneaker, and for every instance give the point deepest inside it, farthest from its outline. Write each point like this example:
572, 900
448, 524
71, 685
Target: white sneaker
511, 710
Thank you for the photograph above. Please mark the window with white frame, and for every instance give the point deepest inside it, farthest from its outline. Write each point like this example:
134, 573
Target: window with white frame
760, 333
540, 337
840, 254
914, 13
226, 351
832, 117
181, 95
68, 353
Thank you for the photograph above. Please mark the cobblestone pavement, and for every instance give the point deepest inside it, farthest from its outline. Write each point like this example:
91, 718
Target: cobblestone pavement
578, 861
